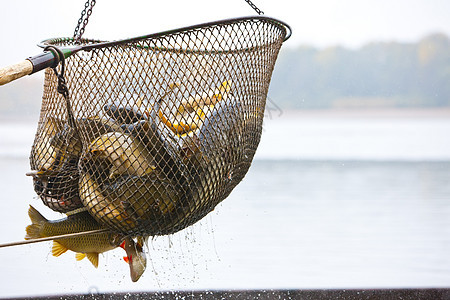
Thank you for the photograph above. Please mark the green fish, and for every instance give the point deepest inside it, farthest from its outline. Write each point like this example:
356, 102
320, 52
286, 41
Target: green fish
85, 246
131, 204
125, 154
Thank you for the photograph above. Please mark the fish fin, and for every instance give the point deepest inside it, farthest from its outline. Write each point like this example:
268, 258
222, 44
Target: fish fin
37, 220
79, 256
126, 259
33, 231
225, 89
114, 172
76, 211
93, 258
122, 245
149, 170
58, 248
35, 216
140, 241
98, 146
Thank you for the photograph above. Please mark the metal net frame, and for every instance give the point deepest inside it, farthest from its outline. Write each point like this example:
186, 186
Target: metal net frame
159, 129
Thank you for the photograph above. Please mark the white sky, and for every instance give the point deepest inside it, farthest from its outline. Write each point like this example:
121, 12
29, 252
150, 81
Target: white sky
351, 23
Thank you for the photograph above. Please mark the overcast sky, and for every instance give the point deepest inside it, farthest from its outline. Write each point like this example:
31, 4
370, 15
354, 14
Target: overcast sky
321, 23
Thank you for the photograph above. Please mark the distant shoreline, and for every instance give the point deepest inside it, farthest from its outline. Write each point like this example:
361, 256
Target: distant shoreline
309, 113
366, 113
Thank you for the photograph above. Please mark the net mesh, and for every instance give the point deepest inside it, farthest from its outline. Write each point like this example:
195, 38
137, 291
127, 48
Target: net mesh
159, 129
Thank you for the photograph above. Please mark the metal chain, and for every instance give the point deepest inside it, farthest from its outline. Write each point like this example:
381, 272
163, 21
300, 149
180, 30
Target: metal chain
89, 5
62, 86
84, 19
258, 11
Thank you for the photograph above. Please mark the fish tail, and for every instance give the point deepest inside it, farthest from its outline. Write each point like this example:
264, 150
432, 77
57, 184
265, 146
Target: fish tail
34, 230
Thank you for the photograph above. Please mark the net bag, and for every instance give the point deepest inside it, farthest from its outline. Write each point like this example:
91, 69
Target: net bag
157, 130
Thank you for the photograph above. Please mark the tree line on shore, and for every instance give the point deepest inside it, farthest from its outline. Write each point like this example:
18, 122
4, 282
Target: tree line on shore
383, 74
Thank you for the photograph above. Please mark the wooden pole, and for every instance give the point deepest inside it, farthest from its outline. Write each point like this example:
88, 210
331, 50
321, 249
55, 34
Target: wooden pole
13, 72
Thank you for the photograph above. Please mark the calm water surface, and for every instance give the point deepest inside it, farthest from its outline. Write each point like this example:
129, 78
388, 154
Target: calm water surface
316, 223
290, 224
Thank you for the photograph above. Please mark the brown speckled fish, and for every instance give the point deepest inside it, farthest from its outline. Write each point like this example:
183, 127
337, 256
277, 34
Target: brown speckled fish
85, 246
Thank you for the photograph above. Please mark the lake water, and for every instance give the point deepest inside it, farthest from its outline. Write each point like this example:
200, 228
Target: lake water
331, 201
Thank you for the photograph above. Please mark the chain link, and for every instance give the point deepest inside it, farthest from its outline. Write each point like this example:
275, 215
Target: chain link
258, 11
62, 86
89, 5
84, 19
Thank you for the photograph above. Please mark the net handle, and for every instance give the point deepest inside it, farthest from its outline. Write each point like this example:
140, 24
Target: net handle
47, 59
16, 71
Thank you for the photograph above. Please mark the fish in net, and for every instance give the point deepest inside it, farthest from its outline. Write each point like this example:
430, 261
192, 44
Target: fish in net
156, 130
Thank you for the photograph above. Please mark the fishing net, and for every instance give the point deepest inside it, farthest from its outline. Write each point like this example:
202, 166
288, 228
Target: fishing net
156, 130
